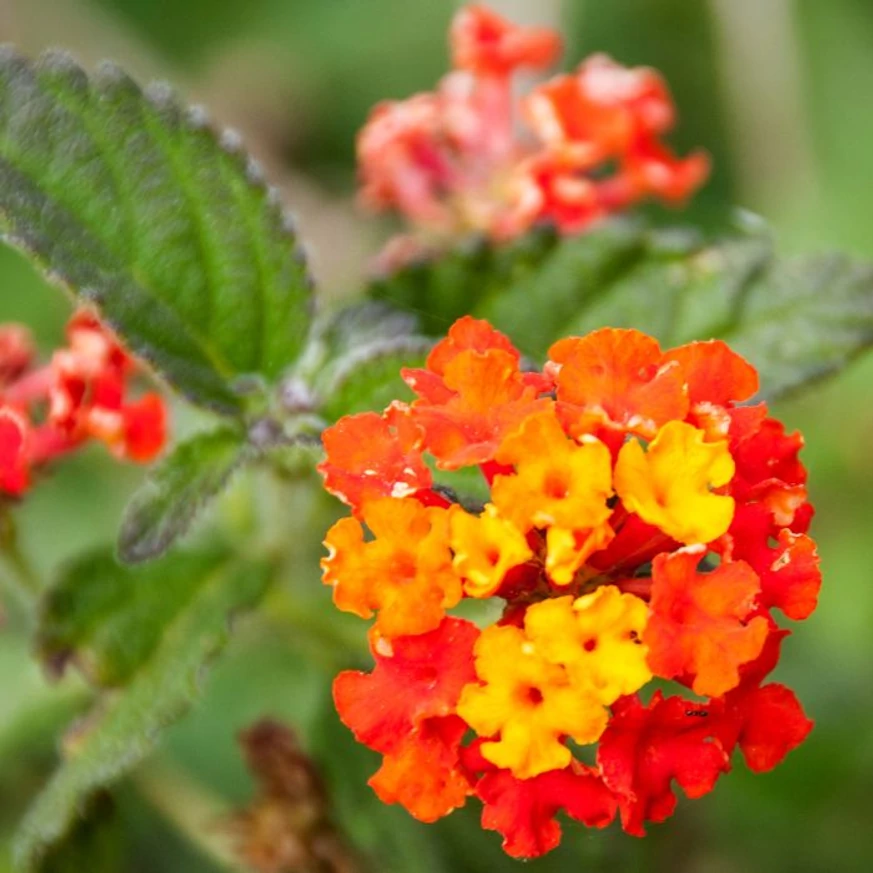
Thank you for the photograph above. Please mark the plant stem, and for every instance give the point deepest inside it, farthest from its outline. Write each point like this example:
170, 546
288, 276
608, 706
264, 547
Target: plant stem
25, 581
195, 812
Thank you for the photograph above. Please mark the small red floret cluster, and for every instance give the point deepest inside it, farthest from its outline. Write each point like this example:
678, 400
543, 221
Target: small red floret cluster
640, 521
470, 157
81, 394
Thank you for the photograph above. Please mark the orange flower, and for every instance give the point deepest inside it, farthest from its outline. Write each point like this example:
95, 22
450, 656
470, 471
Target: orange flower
698, 625
600, 110
618, 379
370, 456
405, 572
471, 394
597, 471
423, 774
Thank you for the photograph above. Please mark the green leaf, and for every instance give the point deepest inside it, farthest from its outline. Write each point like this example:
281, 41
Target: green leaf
796, 319
353, 360
369, 378
95, 844
135, 205
442, 289
163, 670
109, 619
176, 491
804, 320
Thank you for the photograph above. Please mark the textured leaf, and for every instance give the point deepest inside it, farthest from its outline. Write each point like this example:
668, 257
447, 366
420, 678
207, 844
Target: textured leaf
162, 678
369, 378
795, 319
109, 618
95, 844
542, 302
440, 290
177, 489
136, 206
354, 358
804, 320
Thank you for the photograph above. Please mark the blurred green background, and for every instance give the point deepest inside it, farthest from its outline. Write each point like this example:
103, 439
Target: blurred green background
779, 93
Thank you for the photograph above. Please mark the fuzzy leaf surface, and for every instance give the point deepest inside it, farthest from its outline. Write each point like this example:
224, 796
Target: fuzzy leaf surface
178, 488
796, 319
162, 674
135, 205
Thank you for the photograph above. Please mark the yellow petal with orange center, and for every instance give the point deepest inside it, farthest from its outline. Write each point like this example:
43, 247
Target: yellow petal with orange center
527, 705
557, 482
568, 550
405, 572
669, 484
596, 638
486, 547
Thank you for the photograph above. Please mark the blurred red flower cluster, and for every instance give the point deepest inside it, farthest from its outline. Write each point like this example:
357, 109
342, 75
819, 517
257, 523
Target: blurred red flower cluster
47, 411
469, 156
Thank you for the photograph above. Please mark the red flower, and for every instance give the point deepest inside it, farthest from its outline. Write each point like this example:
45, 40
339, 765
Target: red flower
81, 395
700, 622
17, 352
405, 709
483, 42
369, 456
766, 721
524, 810
416, 678
14, 463
789, 571
645, 748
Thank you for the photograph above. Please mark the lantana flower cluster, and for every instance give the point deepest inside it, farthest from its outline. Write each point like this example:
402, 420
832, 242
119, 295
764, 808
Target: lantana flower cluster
81, 394
641, 525
469, 156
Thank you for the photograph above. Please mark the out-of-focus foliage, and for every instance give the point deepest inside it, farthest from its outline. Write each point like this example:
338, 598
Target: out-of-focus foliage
327, 62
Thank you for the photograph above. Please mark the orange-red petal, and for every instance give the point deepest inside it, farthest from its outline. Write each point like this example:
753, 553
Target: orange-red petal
644, 748
698, 626
524, 810
715, 374
484, 43
621, 378
423, 772
370, 455
421, 678
484, 397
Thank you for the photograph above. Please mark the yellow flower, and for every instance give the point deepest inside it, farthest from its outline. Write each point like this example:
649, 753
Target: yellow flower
669, 485
558, 482
529, 704
597, 638
568, 550
486, 547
